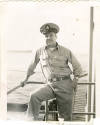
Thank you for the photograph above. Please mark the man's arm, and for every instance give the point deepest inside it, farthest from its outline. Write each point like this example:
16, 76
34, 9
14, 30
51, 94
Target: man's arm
77, 70
31, 68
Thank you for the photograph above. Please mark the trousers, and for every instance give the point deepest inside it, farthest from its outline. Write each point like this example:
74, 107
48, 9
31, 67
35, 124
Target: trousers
61, 90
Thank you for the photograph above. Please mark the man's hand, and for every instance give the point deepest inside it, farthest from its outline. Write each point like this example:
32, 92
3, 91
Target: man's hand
24, 82
75, 81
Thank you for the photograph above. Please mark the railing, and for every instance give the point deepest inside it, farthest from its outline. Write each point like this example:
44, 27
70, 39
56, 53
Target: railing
76, 113
47, 112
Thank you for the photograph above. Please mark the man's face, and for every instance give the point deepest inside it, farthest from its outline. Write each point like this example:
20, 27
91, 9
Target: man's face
51, 38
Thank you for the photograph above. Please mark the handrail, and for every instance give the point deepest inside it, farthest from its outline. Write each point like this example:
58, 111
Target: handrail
30, 82
35, 82
74, 113
18, 86
86, 83
79, 83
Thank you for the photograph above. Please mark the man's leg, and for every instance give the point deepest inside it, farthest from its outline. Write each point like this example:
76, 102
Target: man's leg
64, 107
43, 94
64, 96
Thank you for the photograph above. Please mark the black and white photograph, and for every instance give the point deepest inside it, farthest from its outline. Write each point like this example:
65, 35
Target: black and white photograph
50, 61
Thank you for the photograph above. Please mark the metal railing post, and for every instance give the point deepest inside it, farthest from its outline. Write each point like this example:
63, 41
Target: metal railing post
94, 101
90, 60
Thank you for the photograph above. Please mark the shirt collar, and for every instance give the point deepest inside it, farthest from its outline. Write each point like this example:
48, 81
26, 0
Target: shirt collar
57, 46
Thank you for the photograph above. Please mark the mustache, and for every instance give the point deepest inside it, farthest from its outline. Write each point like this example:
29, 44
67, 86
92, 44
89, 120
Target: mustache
49, 40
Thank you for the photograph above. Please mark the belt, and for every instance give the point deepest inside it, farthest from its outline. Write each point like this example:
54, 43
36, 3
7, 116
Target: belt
59, 78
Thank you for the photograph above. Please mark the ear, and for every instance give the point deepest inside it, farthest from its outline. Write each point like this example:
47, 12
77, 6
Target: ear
56, 35
46, 35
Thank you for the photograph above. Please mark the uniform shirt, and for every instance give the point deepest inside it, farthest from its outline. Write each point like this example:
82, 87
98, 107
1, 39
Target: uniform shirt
54, 62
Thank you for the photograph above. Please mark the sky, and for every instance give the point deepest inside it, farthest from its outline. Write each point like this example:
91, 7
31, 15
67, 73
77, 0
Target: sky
23, 20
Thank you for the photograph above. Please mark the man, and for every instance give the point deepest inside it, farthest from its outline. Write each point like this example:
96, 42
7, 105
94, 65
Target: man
54, 60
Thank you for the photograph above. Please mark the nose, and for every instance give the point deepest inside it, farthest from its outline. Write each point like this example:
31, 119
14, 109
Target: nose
48, 37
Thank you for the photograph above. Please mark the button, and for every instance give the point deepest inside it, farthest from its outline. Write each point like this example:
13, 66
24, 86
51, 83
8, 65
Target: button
61, 78
54, 79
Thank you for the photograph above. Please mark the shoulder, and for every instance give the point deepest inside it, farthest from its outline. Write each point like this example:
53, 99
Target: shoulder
64, 49
38, 51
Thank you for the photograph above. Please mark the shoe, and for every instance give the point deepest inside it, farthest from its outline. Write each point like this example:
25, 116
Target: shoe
60, 119
29, 118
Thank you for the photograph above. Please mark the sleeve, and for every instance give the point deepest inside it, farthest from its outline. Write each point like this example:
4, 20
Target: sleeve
33, 64
77, 70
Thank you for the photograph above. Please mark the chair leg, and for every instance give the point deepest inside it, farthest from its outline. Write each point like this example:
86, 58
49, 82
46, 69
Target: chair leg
52, 107
46, 110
